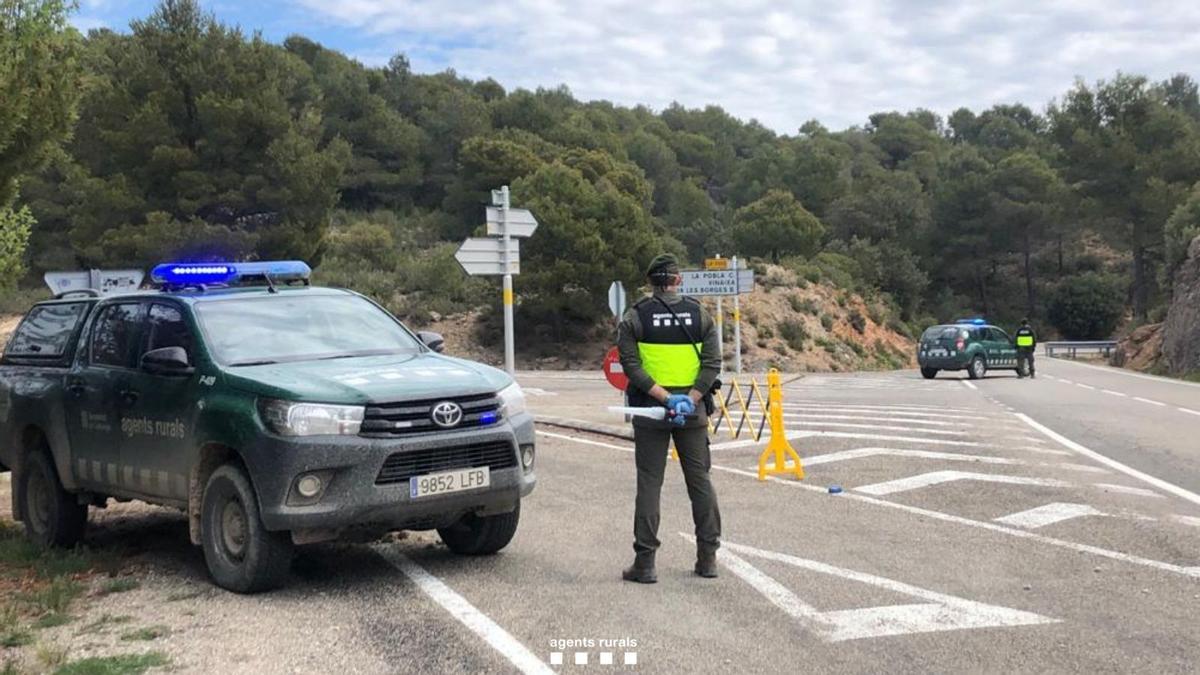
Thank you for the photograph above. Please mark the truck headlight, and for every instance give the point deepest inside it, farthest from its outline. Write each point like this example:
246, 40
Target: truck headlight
289, 418
512, 400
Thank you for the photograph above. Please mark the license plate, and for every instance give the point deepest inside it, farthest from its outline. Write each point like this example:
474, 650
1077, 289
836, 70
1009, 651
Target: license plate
937, 352
448, 481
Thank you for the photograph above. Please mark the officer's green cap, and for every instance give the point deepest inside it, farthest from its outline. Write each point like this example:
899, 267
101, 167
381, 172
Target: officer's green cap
664, 263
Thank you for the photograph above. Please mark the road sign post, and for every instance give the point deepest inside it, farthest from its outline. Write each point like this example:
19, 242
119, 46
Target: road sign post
499, 255
737, 327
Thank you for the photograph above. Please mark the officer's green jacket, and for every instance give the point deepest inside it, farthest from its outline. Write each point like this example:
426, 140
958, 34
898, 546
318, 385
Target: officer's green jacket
634, 352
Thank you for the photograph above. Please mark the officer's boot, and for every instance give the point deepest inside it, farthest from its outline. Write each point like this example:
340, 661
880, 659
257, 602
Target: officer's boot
706, 563
642, 570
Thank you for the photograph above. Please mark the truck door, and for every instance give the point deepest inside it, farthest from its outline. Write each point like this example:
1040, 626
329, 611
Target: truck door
161, 408
93, 395
1004, 347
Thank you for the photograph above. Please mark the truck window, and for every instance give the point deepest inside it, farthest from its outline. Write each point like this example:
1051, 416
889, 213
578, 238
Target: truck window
46, 330
115, 335
166, 328
298, 327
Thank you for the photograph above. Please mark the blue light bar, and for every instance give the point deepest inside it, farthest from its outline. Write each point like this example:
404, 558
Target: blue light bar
214, 273
488, 418
975, 321
181, 273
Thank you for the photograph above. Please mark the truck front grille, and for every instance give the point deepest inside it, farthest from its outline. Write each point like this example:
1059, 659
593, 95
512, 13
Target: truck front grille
405, 464
414, 417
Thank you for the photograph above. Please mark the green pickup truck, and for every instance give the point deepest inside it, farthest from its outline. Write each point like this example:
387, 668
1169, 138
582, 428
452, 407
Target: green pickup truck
272, 412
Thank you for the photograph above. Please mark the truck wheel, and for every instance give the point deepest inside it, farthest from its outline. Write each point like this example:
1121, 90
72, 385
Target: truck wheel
242, 555
481, 535
929, 373
977, 368
53, 516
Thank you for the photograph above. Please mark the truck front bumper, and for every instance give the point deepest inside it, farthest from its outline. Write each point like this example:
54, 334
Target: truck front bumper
355, 493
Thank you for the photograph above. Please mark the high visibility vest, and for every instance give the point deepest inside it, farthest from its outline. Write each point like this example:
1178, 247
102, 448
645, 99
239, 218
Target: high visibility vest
667, 353
1025, 337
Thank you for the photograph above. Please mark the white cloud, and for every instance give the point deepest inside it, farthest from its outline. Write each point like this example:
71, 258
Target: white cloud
785, 62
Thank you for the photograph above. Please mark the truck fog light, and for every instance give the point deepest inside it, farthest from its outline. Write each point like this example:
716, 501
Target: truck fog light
309, 486
527, 457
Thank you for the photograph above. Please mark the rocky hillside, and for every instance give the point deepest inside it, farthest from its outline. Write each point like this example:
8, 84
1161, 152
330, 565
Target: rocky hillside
787, 323
1181, 330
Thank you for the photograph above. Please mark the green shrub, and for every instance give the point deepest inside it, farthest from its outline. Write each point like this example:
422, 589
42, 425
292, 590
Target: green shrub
793, 333
827, 322
857, 321
857, 349
1087, 306
802, 305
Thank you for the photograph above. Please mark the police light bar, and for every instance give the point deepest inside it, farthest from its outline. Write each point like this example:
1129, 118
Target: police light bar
975, 321
215, 273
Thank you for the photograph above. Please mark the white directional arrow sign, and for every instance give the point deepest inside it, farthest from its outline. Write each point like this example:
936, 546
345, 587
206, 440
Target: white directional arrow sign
616, 299
521, 222
485, 256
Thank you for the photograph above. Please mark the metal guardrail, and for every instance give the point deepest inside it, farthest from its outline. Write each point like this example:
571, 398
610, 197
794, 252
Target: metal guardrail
1072, 348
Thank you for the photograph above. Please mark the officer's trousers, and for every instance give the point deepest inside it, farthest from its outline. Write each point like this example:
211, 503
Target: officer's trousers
651, 448
1025, 362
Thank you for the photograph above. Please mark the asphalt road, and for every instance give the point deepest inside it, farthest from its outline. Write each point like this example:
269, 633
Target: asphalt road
966, 539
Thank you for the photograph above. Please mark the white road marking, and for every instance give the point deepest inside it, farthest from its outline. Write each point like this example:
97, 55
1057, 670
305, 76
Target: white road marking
1111, 463
939, 477
536, 391
1110, 392
882, 427
901, 411
969, 385
1126, 373
864, 417
1065, 381
1151, 402
1048, 515
1085, 386
937, 515
1188, 520
938, 611
466, 613
1190, 411
1126, 489
859, 453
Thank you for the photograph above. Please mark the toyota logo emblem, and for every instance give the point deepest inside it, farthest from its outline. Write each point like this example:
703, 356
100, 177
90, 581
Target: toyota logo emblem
447, 414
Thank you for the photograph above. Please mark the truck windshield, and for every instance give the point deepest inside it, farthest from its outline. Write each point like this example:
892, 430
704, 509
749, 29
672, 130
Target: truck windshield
287, 328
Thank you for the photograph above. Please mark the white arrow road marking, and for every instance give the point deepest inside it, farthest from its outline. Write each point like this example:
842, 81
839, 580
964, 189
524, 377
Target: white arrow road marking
1048, 515
938, 477
938, 611
859, 453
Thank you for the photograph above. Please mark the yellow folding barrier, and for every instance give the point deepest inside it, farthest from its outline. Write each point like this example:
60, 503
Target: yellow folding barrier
778, 445
770, 410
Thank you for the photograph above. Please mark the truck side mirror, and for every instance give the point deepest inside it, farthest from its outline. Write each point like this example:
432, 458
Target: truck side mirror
167, 361
434, 341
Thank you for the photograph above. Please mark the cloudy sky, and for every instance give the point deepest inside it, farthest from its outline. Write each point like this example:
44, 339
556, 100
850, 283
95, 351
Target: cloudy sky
779, 62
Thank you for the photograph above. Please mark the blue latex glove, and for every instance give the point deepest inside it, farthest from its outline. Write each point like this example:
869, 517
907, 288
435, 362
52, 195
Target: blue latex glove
682, 406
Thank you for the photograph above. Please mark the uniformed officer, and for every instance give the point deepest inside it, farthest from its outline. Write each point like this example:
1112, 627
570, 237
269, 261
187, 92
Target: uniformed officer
669, 350
1026, 342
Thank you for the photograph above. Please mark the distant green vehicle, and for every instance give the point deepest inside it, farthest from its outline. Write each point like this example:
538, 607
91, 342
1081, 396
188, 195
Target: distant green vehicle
270, 411
971, 344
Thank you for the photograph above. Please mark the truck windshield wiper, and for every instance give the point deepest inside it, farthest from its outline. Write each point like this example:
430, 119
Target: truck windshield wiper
261, 362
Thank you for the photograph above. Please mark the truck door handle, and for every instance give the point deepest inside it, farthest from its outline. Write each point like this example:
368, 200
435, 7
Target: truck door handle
129, 396
76, 389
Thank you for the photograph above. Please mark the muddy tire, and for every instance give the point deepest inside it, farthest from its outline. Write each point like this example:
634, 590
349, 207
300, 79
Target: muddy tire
929, 373
242, 555
52, 516
481, 535
977, 368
